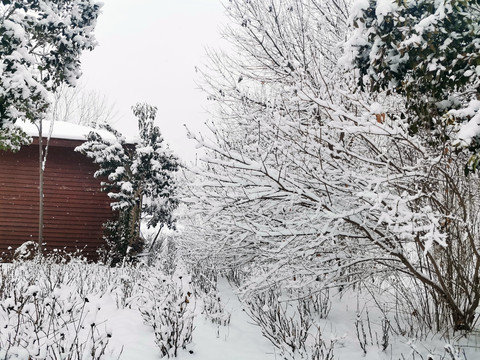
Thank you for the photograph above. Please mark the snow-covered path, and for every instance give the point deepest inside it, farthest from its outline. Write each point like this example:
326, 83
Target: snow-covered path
241, 340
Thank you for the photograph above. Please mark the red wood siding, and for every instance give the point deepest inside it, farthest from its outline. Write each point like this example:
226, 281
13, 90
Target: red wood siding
75, 208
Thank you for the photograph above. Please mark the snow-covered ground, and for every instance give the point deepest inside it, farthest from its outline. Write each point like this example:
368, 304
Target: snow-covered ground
94, 301
241, 340
109, 311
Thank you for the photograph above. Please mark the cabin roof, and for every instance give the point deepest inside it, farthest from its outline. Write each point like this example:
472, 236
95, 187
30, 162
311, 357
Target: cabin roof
63, 130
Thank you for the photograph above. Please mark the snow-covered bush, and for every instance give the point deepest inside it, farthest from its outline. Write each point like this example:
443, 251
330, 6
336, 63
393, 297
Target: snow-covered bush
321, 349
59, 307
48, 311
214, 310
291, 322
168, 305
286, 327
204, 274
49, 327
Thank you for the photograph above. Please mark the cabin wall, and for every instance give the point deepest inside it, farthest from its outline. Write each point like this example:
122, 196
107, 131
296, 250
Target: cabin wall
74, 211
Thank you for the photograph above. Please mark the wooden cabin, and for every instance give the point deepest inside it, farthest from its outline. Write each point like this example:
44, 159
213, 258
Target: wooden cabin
75, 209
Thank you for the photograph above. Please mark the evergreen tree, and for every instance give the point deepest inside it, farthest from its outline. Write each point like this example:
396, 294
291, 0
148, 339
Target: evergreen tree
139, 178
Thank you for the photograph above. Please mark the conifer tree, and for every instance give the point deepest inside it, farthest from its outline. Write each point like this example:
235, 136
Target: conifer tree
139, 178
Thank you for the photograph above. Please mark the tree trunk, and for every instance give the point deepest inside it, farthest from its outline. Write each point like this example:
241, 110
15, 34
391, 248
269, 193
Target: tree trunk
135, 240
40, 190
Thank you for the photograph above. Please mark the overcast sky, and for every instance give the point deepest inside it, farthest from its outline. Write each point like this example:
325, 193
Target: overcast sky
147, 52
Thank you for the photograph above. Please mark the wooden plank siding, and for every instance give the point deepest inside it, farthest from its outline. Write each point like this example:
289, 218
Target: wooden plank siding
74, 207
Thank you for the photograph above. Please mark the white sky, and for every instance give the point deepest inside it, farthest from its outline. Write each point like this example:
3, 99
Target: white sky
147, 52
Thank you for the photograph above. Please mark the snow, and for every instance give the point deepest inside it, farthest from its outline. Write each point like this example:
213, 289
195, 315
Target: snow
241, 340
366, 196
69, 131
130, 336
16, 29
385, 7
414, 39
127, 187
358, 6
426, 24
376, 108
112, 297
471, 128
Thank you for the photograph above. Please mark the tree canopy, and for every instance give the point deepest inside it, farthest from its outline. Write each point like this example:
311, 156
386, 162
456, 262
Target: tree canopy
40, 48
428, 53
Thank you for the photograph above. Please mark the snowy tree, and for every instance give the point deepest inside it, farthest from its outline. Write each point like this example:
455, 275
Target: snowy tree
138, 177
427, 52
311, 184
41, 46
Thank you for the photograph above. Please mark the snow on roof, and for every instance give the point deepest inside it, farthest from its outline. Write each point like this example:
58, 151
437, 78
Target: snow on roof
69, 131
